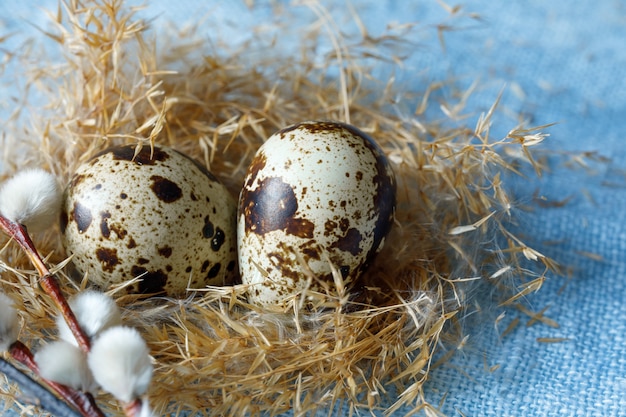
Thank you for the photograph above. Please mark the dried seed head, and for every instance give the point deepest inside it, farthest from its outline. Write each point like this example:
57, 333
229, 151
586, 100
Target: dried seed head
120, 363
95, 312
32, 197
66, 364
9, 327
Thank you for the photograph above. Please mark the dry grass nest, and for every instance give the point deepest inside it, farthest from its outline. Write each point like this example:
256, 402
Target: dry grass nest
214, 353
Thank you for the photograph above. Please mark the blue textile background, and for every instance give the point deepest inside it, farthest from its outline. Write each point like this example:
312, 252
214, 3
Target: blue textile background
560, 62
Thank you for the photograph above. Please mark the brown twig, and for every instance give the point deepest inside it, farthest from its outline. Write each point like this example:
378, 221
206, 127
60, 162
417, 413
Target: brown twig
49, 284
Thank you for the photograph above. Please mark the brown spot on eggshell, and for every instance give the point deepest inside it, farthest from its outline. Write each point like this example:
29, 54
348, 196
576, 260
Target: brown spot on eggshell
231, 266
345, 271
271, 206
165, 251
309, 250
105, 231
81, 215
118, 230
218, 239
302, 228
165, 189
284, 261
350, 242
329, 227
152, 282
208, 230
108, 258
146, 156
257, 165
77, 179
214, 271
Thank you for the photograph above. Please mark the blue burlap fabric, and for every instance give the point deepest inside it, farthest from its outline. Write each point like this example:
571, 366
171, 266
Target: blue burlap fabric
562, 62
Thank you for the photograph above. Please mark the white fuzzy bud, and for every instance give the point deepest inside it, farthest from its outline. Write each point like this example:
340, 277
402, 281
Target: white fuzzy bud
146, 411
120, 363
66, 364
9, 326
95, 312
31, 197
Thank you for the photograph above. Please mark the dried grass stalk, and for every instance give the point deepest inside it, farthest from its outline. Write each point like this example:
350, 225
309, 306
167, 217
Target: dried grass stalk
214, 351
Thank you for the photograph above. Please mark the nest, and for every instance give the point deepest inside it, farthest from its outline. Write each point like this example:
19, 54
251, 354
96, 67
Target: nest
215, 353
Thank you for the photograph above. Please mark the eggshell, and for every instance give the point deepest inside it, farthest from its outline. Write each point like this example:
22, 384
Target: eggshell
316, 194
158, 215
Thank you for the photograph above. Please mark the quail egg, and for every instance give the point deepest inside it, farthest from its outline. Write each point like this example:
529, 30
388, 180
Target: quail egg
156, 215
317, 197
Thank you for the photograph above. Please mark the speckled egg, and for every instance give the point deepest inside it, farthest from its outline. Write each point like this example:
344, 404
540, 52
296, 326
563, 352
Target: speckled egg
158, 215
316, 194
